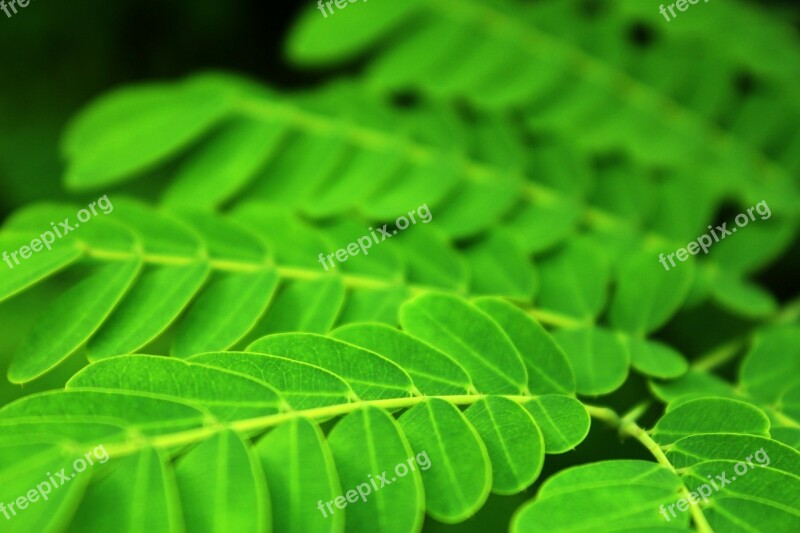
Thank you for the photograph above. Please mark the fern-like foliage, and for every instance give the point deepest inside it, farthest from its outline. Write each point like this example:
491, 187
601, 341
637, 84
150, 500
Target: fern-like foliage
179, 432
237, 384
571, 67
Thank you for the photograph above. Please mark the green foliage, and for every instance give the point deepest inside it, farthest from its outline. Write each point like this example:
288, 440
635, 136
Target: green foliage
219, 404
240, 383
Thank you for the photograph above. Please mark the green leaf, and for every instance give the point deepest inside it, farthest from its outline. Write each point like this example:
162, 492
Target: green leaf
710, 415
598, 357
225, 164
574, 281
139, 494
303, 386
368, 448
83, 308
146, 413
371, 259
500, 267
311, 306
371, 376
228, 242
310, 478
761, 480
432, 262
790, 402
293, 242
433, 372
563, 421
517, 454
23, 469
544, 224
647, 295
470, 337
655, 359
232, 396
455, 489
741, 297
300, 168
549, 371
692, 383
477, 206
154, 302
361, 25
229, 307
772, 366
590, 497
38, 267
378, 305
159, 232
207, 500
132, 129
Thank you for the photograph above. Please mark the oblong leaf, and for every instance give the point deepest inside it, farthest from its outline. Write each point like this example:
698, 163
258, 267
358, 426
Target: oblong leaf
229, 307
207, 500
470, 337
370, 375
563, 421
456, 488
549, 371
433, 372
302, 476
138, 494
133, 128
513, 440
710, 415
227, 394
84, 307
367, 447
647, 295
598, 357
153, 303
589, 497
303, 386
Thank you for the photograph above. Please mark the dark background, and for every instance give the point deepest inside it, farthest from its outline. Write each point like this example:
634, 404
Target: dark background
57, 56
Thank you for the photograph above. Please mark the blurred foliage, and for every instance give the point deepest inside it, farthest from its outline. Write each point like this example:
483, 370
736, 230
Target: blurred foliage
556, 174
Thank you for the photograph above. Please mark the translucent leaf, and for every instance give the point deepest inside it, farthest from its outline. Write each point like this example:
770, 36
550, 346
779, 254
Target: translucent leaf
470, 337
227, 308
563, 421
303, 386
585, 498
455, 489
368, 448
549, 371
598, 357
647, 295
371, 376
309, 481
84, 307
232, 396
517, 454
433, 372
206, 499
131, 129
